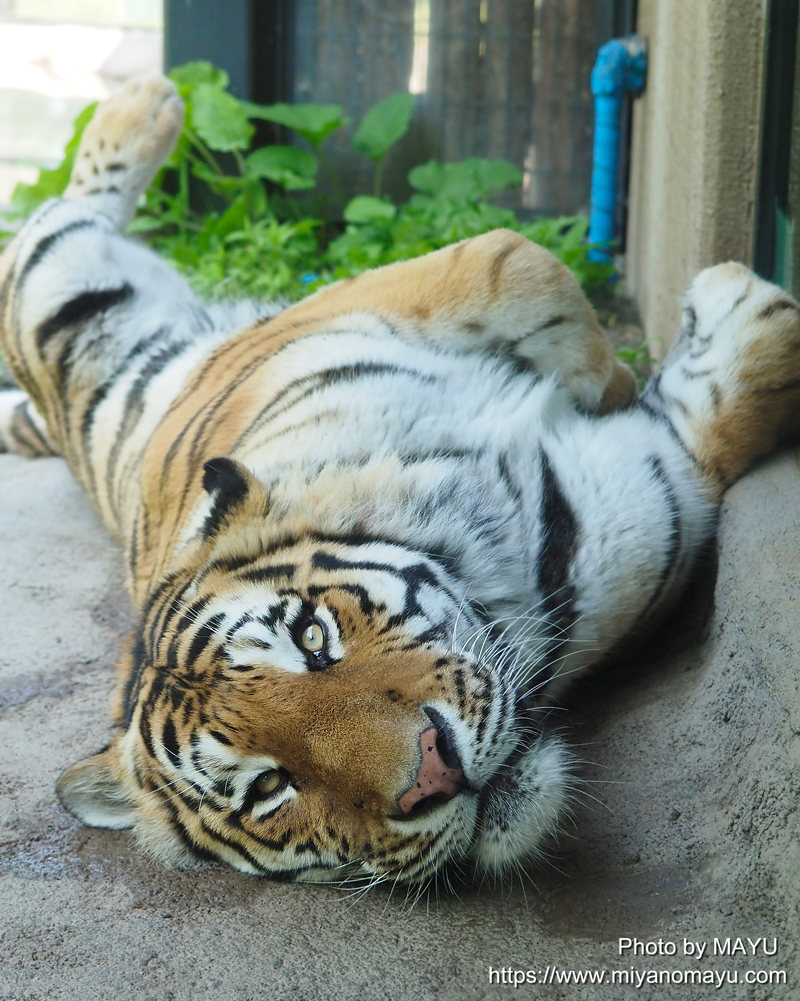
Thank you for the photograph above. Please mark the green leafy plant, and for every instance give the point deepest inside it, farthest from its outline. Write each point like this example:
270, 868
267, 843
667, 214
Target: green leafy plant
380, 129
240, 221
637, 358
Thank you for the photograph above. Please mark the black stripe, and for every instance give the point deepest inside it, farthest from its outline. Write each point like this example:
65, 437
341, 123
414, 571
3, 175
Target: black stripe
366, 604
276, 614
505, 475
134, 680
223, 479
176, 826
556, 555
81, 309
133, 407
45, 245
22, 425
189, 618
164, 611
699, 374
257, 574
325, 379
662, 418
414, 577
169, 739
241, 621
221, 737
776, 307
674, 534
204, 636
554, 321
234, 819
197, 425
18, 282
103, 390
239, 848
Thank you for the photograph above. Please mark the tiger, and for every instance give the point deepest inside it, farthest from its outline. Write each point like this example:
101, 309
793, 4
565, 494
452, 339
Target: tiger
372, 536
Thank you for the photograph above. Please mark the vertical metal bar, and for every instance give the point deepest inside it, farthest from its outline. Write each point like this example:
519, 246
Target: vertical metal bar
207, 29
782, 21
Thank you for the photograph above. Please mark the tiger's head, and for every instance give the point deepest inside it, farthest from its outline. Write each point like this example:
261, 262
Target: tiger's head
318, 708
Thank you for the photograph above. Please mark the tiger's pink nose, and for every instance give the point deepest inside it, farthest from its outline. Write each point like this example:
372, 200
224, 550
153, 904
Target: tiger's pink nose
436, 781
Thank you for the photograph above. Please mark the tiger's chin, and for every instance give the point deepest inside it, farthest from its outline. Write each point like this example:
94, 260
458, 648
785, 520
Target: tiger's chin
522, 807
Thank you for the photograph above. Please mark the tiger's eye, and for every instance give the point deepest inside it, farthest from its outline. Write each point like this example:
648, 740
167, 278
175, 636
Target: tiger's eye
268, 782
312, 637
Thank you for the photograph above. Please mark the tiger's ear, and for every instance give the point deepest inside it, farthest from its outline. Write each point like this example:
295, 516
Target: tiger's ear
228, 483
92, 793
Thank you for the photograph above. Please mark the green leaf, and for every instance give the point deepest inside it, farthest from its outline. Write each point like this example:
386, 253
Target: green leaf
51, 183
219, 120
383, 125
145, 224
314, 122
199, 72
428, 177
229, 185
365, 208
232, 219
469, 180
293, 168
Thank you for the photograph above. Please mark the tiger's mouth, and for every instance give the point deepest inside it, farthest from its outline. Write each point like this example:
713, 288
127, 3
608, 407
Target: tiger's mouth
530, 733
521, 805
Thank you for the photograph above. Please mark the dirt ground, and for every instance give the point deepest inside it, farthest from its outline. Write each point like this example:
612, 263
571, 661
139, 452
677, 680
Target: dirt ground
685, 831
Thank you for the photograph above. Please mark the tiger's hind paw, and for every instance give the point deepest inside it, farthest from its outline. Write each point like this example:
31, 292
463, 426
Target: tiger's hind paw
731, 383
123, 146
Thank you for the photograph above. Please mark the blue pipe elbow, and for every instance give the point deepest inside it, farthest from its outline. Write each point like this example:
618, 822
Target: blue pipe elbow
621, 68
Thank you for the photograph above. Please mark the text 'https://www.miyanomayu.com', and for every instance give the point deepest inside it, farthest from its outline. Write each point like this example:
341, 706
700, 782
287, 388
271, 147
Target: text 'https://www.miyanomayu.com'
663, 969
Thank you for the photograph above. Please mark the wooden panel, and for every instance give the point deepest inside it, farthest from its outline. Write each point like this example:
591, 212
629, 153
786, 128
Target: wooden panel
505, 79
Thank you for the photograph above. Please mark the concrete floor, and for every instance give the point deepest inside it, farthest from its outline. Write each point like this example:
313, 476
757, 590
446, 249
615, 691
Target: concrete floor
687, 828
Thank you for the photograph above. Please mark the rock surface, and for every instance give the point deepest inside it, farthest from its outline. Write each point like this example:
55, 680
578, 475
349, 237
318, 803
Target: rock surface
687, 827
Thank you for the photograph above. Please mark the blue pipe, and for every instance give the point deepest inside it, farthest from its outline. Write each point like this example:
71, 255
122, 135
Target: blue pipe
621, 67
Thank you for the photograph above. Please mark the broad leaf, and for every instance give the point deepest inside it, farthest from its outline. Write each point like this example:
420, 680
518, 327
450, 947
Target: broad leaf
293, 168
314, 122
469, 180
219, 119
383, 125
429, 178
365, 208
199, 72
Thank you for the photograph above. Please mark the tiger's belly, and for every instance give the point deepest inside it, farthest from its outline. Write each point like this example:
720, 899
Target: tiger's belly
372, 435
544, 514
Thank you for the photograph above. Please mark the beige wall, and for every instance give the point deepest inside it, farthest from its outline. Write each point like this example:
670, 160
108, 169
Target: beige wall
694, 150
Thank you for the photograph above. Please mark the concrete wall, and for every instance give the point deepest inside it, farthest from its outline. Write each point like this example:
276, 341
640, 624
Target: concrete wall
695, 150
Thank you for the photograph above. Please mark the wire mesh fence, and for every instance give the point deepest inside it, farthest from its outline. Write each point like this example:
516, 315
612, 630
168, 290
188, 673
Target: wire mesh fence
505, 79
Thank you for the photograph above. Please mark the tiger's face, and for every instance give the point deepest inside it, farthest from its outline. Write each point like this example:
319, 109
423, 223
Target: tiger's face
312, 708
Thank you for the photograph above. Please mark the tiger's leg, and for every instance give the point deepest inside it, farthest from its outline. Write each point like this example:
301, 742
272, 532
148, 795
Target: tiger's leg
730, 386
499, 293
97, 330
22, 428
628, 501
